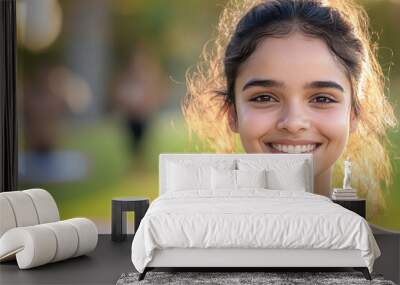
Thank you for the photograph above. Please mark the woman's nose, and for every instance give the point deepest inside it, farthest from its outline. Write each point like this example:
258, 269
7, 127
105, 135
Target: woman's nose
293, 120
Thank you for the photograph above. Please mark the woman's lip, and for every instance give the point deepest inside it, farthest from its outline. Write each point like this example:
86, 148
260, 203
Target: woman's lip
273, 150
294, 142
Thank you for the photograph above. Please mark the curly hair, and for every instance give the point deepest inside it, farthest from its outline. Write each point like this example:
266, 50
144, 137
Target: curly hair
344, 27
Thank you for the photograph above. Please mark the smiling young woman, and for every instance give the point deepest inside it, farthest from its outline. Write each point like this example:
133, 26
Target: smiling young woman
296, 76
292, 96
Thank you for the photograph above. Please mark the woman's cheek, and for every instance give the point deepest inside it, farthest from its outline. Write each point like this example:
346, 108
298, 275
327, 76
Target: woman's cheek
254, 125
334, 126
334, 121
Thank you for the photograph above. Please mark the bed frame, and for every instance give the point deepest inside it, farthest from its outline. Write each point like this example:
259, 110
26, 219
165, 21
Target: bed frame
246, 259
262, 259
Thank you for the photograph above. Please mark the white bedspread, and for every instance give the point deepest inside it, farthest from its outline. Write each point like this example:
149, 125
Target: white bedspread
251, 218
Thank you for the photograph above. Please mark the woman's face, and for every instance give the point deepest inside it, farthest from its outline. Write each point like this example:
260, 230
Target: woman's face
293, 96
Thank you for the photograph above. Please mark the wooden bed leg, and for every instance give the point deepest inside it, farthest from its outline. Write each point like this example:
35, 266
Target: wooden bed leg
142, 275
364, 271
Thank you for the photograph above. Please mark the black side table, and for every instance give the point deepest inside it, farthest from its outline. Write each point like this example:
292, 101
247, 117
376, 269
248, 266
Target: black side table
355, 205
119, 207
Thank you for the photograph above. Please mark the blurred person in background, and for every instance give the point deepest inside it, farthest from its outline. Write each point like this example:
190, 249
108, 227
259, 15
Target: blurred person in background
140, 91
43, 109
46, 101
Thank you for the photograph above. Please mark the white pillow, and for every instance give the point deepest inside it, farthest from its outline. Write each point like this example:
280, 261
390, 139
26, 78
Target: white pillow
292, 174
295, 180
218, 163
223, 179
187, 177
251, 178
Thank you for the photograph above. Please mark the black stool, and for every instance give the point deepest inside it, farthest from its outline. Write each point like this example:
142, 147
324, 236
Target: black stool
119, 207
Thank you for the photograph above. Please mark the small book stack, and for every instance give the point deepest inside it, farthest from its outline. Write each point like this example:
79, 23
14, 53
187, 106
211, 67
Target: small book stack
344, 194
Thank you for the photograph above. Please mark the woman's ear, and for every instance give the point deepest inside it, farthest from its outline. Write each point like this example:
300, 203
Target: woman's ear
232, 118
353, 122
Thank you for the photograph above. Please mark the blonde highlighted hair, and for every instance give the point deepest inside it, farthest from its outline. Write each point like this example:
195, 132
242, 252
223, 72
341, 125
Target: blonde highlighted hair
205, 110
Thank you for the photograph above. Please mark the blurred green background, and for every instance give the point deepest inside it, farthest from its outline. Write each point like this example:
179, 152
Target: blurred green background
87, 132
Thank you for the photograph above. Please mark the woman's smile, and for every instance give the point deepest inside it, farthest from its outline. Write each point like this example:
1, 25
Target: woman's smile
292, 147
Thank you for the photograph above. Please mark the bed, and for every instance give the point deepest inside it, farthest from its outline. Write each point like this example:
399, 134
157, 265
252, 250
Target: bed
245, 211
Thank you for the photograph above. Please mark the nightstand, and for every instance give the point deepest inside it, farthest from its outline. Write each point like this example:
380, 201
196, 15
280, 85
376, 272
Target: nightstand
356, 205
119, 207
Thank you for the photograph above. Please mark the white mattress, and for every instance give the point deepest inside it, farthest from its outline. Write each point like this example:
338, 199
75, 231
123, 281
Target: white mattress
252, 218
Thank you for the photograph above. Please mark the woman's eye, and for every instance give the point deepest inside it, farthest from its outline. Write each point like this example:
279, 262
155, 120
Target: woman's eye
323, 100
263, 98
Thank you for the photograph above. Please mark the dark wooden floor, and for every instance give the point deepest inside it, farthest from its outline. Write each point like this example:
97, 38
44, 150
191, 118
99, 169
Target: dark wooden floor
102, 266
110, 259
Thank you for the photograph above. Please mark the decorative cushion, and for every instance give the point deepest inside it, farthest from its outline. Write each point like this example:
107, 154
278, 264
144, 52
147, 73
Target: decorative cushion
251, 178
279, 180
281, 175
223, 179
187, 177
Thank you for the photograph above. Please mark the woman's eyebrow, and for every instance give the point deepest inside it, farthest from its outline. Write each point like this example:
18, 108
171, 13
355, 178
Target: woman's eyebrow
280, 84
262, 83
324, 84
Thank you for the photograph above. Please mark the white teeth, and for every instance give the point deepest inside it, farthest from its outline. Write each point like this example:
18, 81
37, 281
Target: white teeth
294, 148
